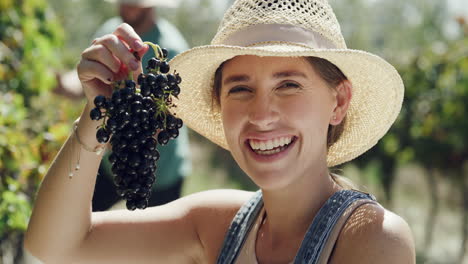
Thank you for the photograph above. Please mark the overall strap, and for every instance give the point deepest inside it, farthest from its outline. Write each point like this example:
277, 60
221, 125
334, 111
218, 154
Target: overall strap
324, 222
239, 229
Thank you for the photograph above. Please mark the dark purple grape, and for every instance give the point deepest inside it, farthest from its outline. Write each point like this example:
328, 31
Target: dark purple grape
131, 205
141, 79
179, 123
156, 155
164, 67
112, 124
130, 84
150, 79
113, 158
128, 133
102, 135
127, 93
100, 101
152, 64
178, 78
161, 80
142, 204
171, 121
173, 133
136, 107
175, 90
157, 92
146, 153
95, 114
116, 97
164, 52
145, 90
171, 80
151, 144
163, 137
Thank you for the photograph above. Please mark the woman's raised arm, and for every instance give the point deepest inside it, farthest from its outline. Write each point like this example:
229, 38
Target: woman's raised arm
61, 218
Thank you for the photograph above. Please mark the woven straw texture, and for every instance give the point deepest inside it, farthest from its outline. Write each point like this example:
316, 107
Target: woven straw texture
377, 87
309, 14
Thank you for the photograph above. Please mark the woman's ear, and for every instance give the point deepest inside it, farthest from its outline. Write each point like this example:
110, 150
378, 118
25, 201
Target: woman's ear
343, 98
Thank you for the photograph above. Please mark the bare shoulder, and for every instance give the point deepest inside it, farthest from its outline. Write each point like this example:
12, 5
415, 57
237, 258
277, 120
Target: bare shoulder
212, 213
374, 234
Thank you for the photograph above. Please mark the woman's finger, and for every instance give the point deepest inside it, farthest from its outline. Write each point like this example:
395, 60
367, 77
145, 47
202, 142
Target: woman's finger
126, 33
100, 53
119, 49
89, 70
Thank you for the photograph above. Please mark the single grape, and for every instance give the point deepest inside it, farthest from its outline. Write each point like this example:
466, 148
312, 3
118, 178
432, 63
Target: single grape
163, 137
164, 67
102, 135
164, 52
95, 114
100, 101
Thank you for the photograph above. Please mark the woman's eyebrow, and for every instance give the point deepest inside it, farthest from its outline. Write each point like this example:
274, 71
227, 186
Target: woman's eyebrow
284, 74
276, 75
236, 78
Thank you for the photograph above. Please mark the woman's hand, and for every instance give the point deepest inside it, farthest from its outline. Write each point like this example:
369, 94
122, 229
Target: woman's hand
109, 58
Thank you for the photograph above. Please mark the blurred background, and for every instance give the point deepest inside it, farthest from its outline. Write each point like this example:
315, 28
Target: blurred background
418, 170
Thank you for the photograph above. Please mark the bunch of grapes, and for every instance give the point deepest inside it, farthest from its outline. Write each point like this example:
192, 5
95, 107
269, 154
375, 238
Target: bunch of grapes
136, 118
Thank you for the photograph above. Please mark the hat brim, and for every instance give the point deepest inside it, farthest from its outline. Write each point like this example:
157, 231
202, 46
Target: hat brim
376, 102
148, 3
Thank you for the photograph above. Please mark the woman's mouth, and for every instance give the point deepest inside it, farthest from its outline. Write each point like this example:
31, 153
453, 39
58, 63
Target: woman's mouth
271, 146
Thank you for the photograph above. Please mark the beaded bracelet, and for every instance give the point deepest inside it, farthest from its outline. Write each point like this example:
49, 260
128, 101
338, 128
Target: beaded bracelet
98, 149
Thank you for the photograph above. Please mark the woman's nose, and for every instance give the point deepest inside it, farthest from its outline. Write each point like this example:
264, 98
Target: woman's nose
263, 112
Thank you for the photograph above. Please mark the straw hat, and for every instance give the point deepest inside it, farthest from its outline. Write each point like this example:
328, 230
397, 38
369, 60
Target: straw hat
147, 3
291, 28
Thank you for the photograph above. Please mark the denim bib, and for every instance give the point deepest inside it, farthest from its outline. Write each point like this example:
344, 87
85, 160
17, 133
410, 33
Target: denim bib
315, 238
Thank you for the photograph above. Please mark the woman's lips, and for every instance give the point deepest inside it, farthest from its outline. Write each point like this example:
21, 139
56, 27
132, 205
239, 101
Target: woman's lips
271, 154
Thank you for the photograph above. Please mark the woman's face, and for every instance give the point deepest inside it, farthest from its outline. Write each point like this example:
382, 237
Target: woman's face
276, 112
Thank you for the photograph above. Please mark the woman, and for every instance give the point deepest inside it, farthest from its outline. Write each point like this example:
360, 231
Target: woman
280, 90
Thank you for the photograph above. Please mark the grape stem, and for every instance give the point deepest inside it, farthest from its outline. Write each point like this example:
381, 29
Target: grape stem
157, 50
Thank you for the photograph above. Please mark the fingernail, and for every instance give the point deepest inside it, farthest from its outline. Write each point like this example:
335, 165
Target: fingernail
138, 45
134, 65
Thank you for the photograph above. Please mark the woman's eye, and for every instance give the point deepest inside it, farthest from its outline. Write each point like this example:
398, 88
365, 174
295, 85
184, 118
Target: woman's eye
289, 85
238, 89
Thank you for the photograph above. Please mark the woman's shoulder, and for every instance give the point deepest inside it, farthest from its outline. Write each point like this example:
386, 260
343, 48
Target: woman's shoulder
212, 212
374, 234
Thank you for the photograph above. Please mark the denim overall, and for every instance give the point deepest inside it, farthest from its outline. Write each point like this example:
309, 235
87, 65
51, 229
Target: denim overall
314, 239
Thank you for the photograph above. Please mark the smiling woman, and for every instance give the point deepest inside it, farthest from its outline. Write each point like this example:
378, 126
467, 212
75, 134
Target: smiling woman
326, 71
266, 99
280, 90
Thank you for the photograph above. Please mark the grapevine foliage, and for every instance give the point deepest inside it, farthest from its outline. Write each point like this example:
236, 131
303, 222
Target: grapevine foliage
30, 133
432, 127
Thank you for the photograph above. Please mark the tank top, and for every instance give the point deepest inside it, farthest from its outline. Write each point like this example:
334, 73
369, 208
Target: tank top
316, 247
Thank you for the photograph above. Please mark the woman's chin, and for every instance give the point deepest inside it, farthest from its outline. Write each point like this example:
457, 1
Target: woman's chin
269, 180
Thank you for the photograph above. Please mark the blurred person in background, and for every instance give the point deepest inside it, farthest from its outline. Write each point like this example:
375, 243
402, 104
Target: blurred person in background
174, 163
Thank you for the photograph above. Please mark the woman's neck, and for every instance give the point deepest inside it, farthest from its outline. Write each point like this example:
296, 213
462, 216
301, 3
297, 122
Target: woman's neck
290, 211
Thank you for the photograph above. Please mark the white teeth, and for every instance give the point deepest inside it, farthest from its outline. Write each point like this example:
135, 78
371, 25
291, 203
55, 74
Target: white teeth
282, 141
276, 142
269, 144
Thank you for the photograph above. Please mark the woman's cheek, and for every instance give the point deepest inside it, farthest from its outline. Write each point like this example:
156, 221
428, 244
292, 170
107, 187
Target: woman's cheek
231, 115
